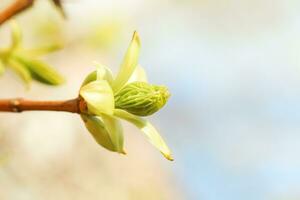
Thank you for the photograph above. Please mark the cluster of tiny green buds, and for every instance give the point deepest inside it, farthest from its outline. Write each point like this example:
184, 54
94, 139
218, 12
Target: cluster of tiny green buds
142, 99
26, 63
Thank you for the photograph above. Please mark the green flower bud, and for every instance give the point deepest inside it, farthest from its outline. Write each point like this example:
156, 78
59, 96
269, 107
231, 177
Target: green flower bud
142, 99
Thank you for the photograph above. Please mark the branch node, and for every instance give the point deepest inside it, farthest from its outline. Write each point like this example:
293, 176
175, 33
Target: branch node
15, 105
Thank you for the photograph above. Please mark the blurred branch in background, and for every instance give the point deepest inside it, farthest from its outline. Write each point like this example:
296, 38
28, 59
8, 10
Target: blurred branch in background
14, 9
58, 4
20, 5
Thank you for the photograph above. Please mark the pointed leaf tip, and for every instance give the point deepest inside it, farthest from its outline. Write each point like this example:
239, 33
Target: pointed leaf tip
136, 38
123, 152
169, 157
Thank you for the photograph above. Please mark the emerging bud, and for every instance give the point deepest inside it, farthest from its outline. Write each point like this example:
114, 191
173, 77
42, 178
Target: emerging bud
142, 99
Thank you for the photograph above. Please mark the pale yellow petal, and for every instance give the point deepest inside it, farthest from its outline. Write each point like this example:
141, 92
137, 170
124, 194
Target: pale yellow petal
101, 73
104, 73
98, 96
139, 75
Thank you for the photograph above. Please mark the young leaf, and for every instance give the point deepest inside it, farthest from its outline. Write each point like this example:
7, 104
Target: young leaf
129, 63
97, 128
21, 70
114, 128
99, 97
149, 131
102, 73
41, 71
89, 78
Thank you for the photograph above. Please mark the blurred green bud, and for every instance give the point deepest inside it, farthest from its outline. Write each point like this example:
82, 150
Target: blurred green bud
142, 99
41, 71
25, 62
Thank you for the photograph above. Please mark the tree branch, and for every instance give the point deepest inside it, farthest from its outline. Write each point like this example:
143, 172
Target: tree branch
77, 105
15, 8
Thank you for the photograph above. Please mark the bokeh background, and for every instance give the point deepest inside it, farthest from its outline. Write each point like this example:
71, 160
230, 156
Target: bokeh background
233, 68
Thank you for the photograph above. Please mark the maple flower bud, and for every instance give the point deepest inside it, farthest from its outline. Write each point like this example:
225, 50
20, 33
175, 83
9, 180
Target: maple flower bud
142, 99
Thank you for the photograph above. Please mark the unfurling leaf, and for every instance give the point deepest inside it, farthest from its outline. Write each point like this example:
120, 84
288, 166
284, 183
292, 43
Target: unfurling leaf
115, 131
102, 73
141, 98
99, 97
42, 72
106, 131
97, 128
149, 131
129, 63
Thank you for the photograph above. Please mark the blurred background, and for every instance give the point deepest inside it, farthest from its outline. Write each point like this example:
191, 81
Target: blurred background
233, 68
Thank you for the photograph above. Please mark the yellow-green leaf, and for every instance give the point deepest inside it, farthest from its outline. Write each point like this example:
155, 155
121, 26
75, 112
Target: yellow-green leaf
129, 63
149, 131
102, 73
99, 97
42, 71
97, 128
89, 78
115, 131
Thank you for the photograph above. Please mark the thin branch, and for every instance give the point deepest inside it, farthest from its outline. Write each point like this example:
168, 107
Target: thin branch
59, 6
19, 105
15, 8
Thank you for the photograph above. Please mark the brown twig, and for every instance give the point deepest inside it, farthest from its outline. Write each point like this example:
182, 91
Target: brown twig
15, 8
19, 105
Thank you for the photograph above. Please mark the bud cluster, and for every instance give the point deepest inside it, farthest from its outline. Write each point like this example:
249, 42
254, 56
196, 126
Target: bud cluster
141, 98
